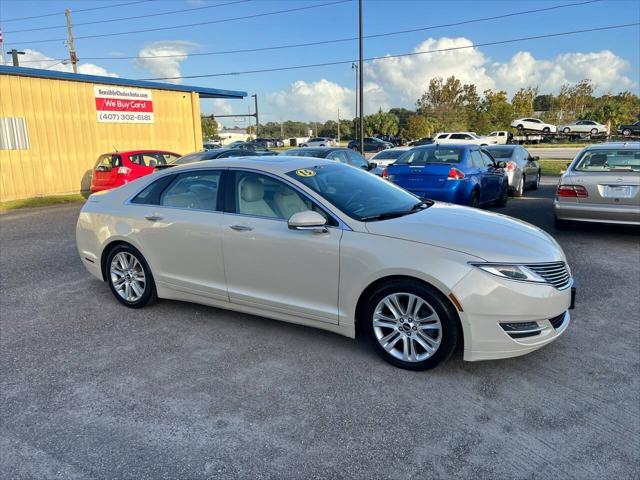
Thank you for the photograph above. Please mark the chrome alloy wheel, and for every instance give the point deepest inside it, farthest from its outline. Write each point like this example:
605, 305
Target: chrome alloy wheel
127, 276
407, 327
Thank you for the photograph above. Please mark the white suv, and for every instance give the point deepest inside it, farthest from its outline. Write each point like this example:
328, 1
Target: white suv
445, 138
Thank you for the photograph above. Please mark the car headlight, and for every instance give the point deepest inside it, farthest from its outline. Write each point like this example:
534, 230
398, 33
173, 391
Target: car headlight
512, 272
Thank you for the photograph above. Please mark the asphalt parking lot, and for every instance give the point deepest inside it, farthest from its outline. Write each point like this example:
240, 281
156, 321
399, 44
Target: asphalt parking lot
90, 389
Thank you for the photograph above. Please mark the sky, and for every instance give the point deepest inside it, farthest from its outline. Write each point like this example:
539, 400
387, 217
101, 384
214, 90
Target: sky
610, 58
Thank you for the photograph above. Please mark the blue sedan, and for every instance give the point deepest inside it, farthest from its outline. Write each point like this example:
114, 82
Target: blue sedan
462, 174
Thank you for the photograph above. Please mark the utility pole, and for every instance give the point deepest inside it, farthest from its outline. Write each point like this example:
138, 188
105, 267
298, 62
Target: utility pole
14, 56
72, 52
354, 66
255, 97
338, 126
361, 81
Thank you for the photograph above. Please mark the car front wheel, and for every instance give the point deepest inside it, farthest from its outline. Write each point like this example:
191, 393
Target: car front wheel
536, 185
410, 325
130, 278
626, 132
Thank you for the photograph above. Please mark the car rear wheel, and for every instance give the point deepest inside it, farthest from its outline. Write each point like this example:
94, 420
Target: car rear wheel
536, 185
474, 201
520, 127
566, 130
519, 191
410, 325
594, 131
546, 130
626, 132
504, 196
130, 278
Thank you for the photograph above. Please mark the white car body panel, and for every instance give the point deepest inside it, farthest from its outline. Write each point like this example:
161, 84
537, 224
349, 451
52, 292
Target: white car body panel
445, 138
533, 124
385, 162
194, 256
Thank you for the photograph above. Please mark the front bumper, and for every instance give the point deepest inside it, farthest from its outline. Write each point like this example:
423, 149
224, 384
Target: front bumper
599, 213
489, 301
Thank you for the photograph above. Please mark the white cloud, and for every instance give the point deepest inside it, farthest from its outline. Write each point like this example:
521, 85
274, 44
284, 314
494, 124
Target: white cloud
408, 77
312, 101
605, 69
35, 59
164, 65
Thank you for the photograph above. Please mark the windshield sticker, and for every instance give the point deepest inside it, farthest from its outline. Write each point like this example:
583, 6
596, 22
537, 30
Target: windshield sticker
305, 172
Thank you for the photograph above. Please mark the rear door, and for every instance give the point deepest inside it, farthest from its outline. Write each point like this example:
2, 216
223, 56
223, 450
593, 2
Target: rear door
492, 179
105, 173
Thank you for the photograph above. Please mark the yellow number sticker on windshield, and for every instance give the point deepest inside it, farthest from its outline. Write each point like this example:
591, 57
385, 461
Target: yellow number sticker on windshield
305, 172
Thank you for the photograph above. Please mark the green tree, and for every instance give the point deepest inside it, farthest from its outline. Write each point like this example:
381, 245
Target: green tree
209, 127
522, 102
497, 110
451, 103
418, 126
380, 123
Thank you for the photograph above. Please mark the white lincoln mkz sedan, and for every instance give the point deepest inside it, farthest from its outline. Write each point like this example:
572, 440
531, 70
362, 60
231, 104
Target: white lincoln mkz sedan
320, 243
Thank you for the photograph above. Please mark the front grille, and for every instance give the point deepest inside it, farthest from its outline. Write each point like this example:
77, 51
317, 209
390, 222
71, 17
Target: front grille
556, 273
557, 321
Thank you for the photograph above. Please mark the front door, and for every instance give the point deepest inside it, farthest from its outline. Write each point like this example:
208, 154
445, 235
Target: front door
271, 266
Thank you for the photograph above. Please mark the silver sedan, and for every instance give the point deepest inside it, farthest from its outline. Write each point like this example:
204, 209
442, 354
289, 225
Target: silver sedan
602, 184
583, 126
522, 170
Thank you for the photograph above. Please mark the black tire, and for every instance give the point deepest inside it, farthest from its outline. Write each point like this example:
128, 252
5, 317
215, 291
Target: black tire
149, 294
536, 185
594, 132
520, 127
504, 197
438, 303
519, 190
626, 132
546, 130
474, 200
566, 130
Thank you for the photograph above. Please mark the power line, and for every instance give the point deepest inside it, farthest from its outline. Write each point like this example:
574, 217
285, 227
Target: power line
337, 40
369, 59
136, 17
209, 22
75, 11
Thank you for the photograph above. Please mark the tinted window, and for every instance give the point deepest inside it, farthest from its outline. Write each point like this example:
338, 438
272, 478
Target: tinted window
107, 162
152, 159
305, 152
192, 157
151, 194
444, 135
339, 156
502, 152
476, 159
460, 136
355, 192
431, 154
486, 159
388, 154
196, 190
357, 160
264, 196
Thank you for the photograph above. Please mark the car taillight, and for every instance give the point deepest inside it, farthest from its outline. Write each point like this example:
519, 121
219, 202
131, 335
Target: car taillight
511, 166
124, 170
385, 174
574, 191
455, 174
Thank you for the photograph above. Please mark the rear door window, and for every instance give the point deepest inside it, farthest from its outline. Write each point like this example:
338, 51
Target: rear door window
193, 190
356, 160
107, 162
476, 159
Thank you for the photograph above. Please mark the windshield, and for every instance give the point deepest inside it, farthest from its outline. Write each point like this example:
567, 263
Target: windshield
431, 154
500, 152
388, 154
609, 161
358, 194
306, 152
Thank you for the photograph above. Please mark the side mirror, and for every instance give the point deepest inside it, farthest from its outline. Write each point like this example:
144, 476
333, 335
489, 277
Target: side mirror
501, 164
372, 165
308, 220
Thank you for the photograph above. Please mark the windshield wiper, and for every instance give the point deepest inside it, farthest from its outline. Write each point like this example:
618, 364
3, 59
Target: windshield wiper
399, 213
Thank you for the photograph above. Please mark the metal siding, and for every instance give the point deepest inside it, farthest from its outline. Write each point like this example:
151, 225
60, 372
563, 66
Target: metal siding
66, 139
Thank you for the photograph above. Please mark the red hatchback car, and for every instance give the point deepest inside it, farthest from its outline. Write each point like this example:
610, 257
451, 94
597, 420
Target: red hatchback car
115, 169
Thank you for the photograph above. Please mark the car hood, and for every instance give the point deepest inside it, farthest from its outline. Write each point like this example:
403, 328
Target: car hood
489, 236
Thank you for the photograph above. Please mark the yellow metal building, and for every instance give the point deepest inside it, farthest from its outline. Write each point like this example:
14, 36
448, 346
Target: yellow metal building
52, 127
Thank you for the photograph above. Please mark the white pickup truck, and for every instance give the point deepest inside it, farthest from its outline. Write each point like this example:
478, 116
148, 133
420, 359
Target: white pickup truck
503, 137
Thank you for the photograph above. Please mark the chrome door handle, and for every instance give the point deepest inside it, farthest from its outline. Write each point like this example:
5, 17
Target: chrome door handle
240, 228
153, 218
